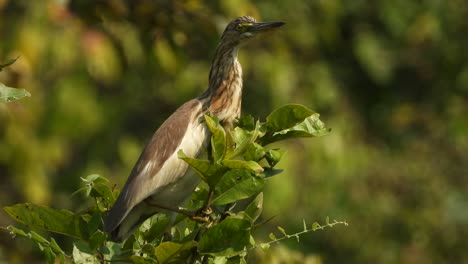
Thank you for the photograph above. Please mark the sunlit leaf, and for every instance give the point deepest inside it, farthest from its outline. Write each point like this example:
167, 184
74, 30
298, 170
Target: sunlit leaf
38, 238
8, 94
16, 231
210, 173
254, 152
287, 116
227, 238
312, 126
82, 255
218, 138
168, 250
272, 236
53, 220
236, 185
242, 164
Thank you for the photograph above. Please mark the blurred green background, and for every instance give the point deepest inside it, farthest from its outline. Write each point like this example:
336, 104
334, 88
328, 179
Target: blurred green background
389, 77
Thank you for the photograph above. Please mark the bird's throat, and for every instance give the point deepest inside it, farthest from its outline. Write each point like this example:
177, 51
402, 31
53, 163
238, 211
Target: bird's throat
225, 86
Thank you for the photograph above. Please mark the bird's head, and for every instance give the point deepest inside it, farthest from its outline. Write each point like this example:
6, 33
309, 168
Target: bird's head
243, 28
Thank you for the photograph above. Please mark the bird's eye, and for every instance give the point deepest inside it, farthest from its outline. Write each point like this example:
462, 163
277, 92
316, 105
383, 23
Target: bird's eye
243, 27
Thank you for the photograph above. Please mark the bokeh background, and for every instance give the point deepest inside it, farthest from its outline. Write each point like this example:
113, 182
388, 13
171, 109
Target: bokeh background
389, 77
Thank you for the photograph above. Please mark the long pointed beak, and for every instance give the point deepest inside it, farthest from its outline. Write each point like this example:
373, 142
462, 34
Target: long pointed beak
265, 26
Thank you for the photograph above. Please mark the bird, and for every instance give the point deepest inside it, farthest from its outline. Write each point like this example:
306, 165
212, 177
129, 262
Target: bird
159, 179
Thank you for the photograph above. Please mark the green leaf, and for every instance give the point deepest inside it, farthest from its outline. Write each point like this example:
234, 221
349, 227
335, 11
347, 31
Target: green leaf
311, 127
8, 63
50, 255
282, 230
242, 139
16, 231
287, 116
103, 190
97, 239
82, 255
273, 156
242, 164
315, 226
210, 173
264, 246
254, 152
236, 185
55, 247
218, 138
255, 208
272, 236
8, 94
168, 250
142, 260
157, 228
53, 220
228, 238
246, 122
38, 238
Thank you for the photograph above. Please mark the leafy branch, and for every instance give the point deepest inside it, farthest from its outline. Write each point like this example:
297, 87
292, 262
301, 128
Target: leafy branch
315, 226
235, 174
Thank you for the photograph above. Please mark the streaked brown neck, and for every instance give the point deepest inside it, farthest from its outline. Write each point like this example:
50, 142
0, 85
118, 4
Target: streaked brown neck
224, 93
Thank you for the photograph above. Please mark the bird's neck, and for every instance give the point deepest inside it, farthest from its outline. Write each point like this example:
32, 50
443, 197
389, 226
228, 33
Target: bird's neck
224, 93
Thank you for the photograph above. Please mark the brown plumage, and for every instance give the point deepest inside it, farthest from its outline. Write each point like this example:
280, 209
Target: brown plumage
159, 176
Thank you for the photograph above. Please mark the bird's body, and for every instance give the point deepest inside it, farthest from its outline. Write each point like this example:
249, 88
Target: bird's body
159, 176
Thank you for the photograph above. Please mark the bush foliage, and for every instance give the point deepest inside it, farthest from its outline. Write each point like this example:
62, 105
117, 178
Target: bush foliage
202, 235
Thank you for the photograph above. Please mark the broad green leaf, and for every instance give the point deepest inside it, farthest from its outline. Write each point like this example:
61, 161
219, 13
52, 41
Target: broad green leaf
242, 139
103, 190
168, 250
210, 173
53, 220
255, 208
254, 152
8, 94
228, 238
218, 138
287, 116
236, 185
97, 239
242, 164
311, 127
8, 63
